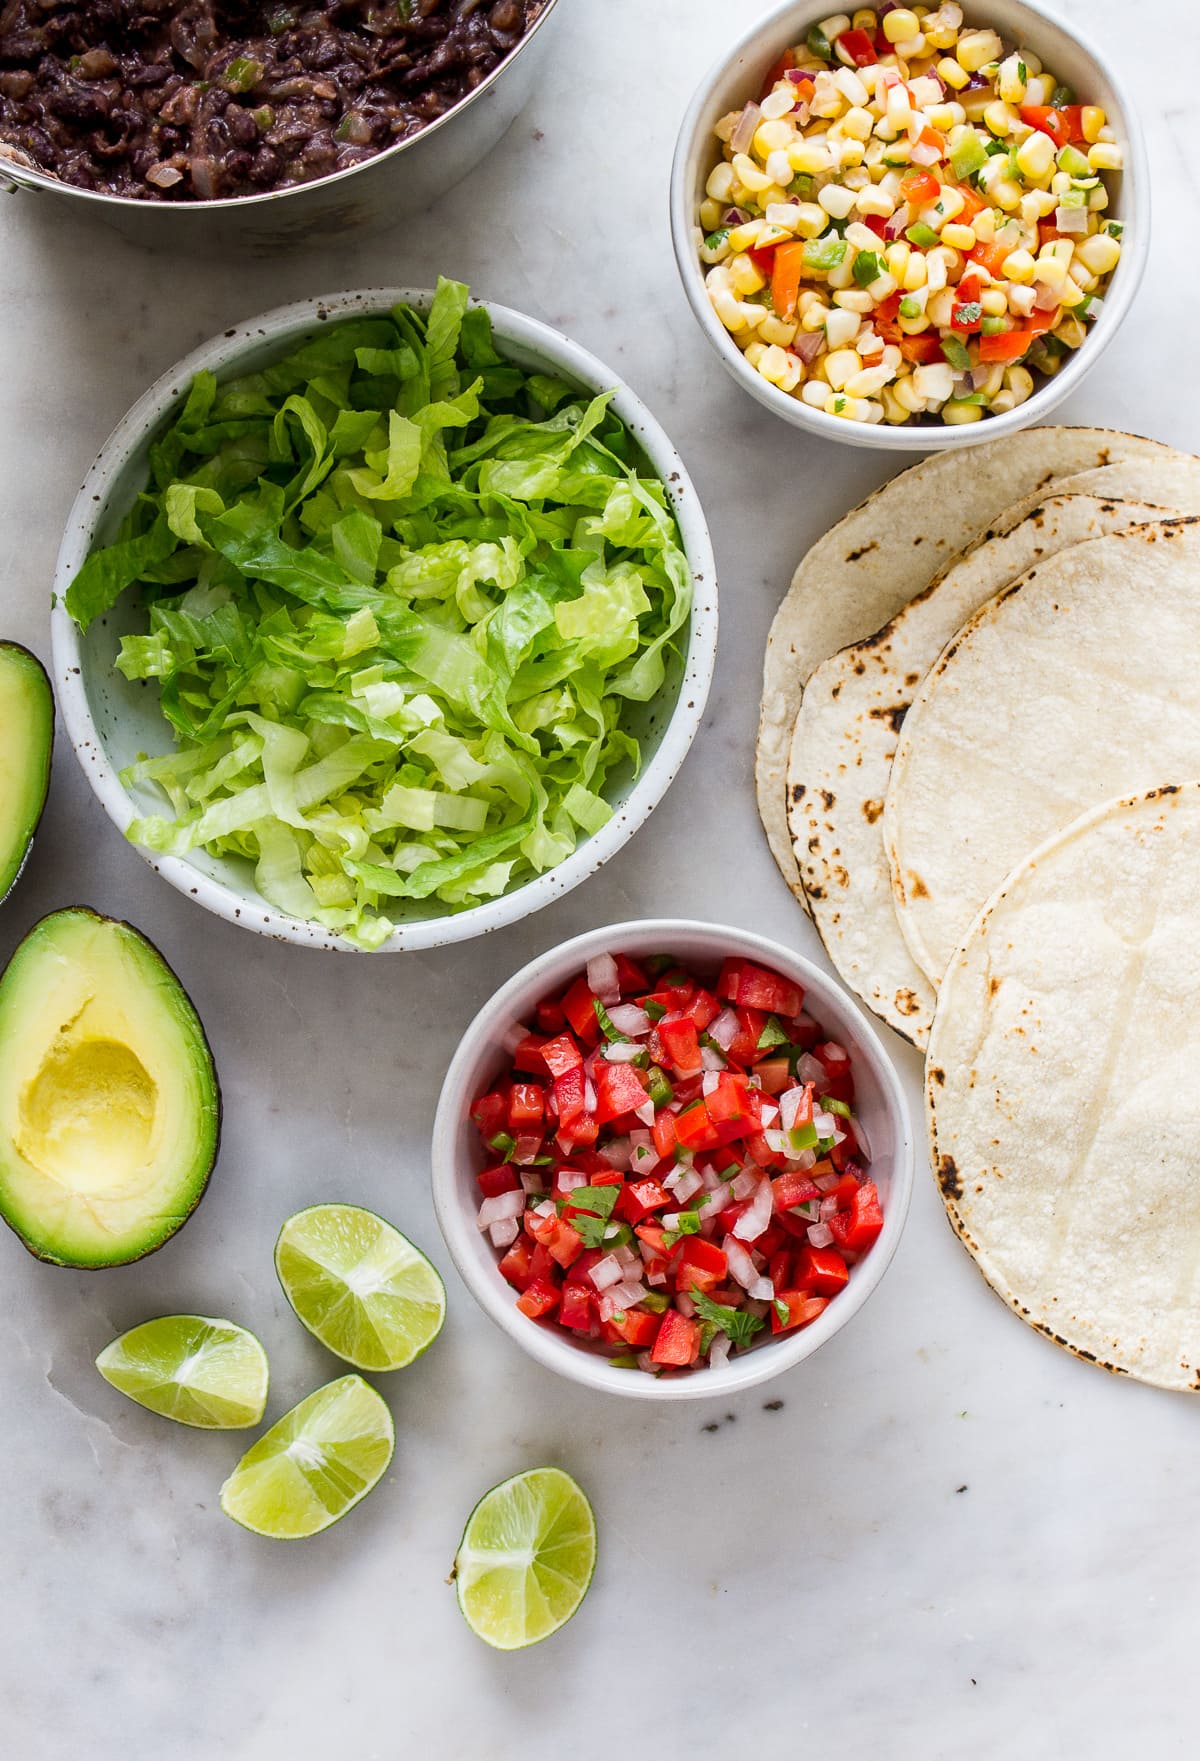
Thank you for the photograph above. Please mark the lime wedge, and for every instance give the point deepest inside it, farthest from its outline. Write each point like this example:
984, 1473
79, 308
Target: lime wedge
187, 1367
316, 1463
356, 1283
526, 1558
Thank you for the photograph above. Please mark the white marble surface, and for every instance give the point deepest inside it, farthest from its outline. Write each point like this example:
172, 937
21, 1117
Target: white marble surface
951, 1540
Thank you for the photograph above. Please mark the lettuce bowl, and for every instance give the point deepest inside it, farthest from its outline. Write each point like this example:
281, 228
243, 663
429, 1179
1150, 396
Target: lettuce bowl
114, 721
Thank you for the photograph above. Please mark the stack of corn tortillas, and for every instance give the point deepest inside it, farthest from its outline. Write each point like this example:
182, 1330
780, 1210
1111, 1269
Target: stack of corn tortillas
976, 691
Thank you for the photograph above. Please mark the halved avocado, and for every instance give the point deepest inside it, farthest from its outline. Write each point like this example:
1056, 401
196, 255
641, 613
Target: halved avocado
110, 1113
26, 741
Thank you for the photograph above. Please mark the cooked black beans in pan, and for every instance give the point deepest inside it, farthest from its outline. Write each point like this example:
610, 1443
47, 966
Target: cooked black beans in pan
185, 100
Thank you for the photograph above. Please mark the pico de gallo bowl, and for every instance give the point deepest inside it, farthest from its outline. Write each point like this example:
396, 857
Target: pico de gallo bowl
669, 1164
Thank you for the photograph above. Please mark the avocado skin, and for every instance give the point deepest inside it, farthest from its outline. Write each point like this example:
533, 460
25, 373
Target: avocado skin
26, 657
44, 1255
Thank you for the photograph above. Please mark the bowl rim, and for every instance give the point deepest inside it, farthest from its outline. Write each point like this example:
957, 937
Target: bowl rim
458, 1227
1135, 198
220, 353
36, 177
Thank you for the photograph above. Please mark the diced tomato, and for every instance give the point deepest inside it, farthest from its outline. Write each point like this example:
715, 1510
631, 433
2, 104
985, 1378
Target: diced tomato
753, 987
550, 1017
631, 978
539, 1298
729, 1102
637, 1327
576, 1310
843, 1155
763, 258
561, 1054
664, 1134
526, 1105
761, 1153
619, 1089
640, 1199
703, 1009
856, 1228
494, 1181
793, 1188
779, 1268
836, 1060
776, 72
858, 46
775, 1074
514, 1266
973, 204
787, 272
771, 1240
743, 1048
920, 187
875, 223
489, 1115
991, 257
801, 1307
528, 1055
1051, 122
699, 1262
654, 1237
680, 1043
821, 1270
732, 1214
563, 1243
694, 1129
579, 1007
921, 350
678, 1341
570, 1095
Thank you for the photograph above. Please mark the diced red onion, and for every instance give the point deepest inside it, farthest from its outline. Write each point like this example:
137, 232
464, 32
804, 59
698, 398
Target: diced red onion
777, 1142
1071, 219
762, 1290
745, 127
1095, 307
820, 1235
589, 1097
547, 1207
643, 1159
688, 1185
645, 1112
628, 1018
569, 1181
531, 1182
746, 1183
742, 1269
810, 1069
602, 979
622, 1051
505, 1233
684, 1304
718, 1351
735, 217
646, 1362
512, 1036
712, 1180
828, 1208
710, 1061
606, 1271
1045, 298
617, 1152
826, 1124
790, 1103
770, 1113
808, 345
619, 1297
794, 75
654, 1279
825, 1182
724, 1028
755, 1220
805, 1160
500, 1208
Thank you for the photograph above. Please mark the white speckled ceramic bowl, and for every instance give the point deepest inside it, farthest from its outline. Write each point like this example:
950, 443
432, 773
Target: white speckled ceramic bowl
457, 1157
111, 721
738, 75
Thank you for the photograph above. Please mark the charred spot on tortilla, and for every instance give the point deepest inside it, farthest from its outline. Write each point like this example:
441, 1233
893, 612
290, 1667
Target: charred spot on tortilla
908, 1002
871, 811
916, 886
948, 1177
894, 715
828, 798
854, 556
911, 679
936, 1074
799, 791
837, 690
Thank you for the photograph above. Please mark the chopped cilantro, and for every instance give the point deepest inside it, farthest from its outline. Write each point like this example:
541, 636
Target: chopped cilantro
740, 1326
715, 240
868, 267
611, 1033
588, 1210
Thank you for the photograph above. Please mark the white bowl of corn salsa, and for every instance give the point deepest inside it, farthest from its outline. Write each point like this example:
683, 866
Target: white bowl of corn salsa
910, 226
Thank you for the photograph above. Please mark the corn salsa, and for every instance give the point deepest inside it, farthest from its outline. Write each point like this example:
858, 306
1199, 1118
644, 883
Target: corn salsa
910, 222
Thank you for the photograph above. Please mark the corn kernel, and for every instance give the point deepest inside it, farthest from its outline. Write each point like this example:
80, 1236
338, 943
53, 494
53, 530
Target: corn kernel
854, 299
814, 316
1100, 253
1039, 89
743, 238
858, 123
893, 410
865, 20
839, 365
1070, 293
874, 200
782, 216
962, 238
835, 25
916, 273
836, 200
1010, 82
1020, 300
993, 302
780, 368
1002, 403
814, 393
1097, 199
770, 135
749, 174
1036, 204
1006, 194
1092, 120
1019, 380
998, 118
729, 310
720, 182
778, 330
985, 226
1019, 266
975, 49
949, 204
851, 88
935, 271
810, 157
868, 381
1035, 156
940, 308
754, 352
951, 74
900, 24
908, 396
1105, 156
957, 415
934, 382
744, 278
809, 219
778, 103
841, 328
779, 167
850, 153
896, 257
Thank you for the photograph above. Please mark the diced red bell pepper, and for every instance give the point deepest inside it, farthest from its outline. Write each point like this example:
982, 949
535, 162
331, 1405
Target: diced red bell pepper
731, 1215
779, 1269
579, 1007
920, 187
858, 46
821, 1270
787, 273
561, 1054
678, 1341
802, 1308
729, 1100
703, 1009
539, 1298
753, 987
793, 1188
1050, 121
921, 350
664, 1135
695, 1130
856, 1228
699, 1262
619, 1089
490, 1115
631, 978
526, 1105
494, 1181
680, 1043
528, 1055
1006, 345
637, 1327
640, 1199
672, 995
514, 1266
654, 1238
743, 1047
777, 70
576, 1310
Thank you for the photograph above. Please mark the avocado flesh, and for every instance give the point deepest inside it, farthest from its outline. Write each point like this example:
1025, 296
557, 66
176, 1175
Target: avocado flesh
26, 740
109, 1105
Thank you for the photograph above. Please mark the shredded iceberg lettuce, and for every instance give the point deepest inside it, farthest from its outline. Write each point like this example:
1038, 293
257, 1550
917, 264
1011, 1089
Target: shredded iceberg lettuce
400, 595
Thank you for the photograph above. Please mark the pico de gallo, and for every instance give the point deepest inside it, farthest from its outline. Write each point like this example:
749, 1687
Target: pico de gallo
909, 221
673, 1165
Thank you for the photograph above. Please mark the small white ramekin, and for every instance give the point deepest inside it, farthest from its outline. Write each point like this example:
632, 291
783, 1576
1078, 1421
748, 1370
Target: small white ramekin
738, 75
112, 722
481, 1058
